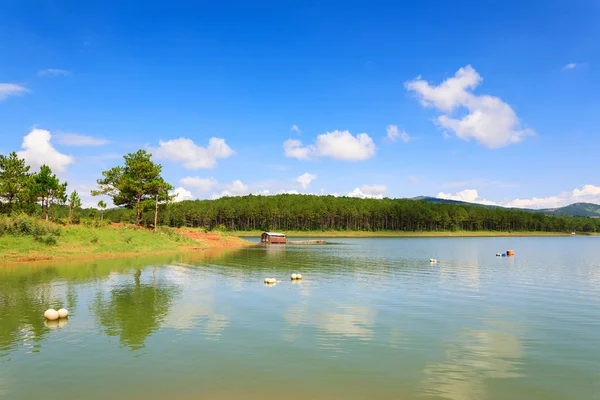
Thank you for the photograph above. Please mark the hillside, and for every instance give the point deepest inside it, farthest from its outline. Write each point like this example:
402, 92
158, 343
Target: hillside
587, 210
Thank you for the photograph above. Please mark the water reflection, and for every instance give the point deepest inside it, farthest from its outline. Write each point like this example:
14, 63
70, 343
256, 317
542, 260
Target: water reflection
133, 310
476, 355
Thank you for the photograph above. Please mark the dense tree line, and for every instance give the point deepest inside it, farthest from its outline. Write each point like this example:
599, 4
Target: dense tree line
139, 192
322, 213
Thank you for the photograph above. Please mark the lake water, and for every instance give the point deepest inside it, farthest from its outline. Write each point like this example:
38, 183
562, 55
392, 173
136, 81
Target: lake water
372, 319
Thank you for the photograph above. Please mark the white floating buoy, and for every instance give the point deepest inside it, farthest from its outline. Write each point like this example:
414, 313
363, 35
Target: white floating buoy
498, 254
432, 260
296, 277
51, 315
63, 313
270, 281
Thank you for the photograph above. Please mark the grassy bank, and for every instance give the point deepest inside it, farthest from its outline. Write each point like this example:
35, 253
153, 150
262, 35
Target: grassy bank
30, 240
401, 234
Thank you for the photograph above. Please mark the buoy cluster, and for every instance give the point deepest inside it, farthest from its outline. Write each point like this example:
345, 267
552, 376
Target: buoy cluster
509, 253
432, 260
273, 281
52, 315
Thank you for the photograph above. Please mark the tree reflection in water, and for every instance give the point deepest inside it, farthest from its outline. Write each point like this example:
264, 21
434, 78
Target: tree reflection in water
133, 311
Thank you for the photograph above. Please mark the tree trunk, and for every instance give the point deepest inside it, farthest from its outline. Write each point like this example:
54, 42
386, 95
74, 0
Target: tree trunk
70, 214
138, 212
47, 207
156, 214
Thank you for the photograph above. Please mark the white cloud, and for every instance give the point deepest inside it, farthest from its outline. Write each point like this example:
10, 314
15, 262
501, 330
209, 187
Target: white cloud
587, 194
294, 149
305, 179
369, 192
201, 184
489, 121
74, 139
342, 145
191, 155
37, 150
570, 66
53, 72
413, 179
10, 89
339, 145
295, 128
394, 134
467, 195
181, 194
236, 188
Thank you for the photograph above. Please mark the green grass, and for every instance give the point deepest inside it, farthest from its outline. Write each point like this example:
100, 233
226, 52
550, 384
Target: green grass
400, 234
83, 241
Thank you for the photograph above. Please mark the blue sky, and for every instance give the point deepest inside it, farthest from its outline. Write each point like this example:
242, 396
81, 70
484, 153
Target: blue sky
491, 102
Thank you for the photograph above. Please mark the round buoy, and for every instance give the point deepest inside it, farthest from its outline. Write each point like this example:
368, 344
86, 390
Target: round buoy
63, 313
298, 276
51, 315
294, 277
498, 254
432, 260
270, 281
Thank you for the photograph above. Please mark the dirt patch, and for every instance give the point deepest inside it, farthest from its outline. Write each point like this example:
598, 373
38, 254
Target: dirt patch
214, 240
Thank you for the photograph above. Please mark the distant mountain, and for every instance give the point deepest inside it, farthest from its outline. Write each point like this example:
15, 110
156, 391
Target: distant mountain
588, 210
576, 210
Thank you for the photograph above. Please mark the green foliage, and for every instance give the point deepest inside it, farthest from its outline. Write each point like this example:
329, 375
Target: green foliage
95, 239
128, 239
47, 188
134, 184
14, 180
24, 225
74, 204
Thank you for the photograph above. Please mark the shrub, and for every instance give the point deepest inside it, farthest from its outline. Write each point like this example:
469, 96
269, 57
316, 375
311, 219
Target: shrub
128, 239
24, 225
95, 239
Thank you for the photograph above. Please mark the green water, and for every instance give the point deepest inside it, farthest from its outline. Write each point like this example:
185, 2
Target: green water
372, 319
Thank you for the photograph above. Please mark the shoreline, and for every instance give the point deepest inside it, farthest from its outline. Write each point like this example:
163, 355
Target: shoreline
80, 243
383, 234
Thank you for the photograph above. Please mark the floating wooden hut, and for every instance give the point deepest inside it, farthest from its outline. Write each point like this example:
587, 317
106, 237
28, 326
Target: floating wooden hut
273, 238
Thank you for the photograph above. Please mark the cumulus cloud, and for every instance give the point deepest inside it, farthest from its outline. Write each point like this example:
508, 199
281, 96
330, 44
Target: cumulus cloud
236, 188
76, 140
37, 151
339, 145
296, 129
394, 134
294, 149
305, 179
489, 121
190, 155
10, 89
587, 194
200, 184
570, 66
369, 192
181, 194
53, 72
467, 195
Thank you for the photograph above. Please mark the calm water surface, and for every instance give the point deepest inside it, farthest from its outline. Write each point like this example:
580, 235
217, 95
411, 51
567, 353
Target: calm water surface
372, 319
